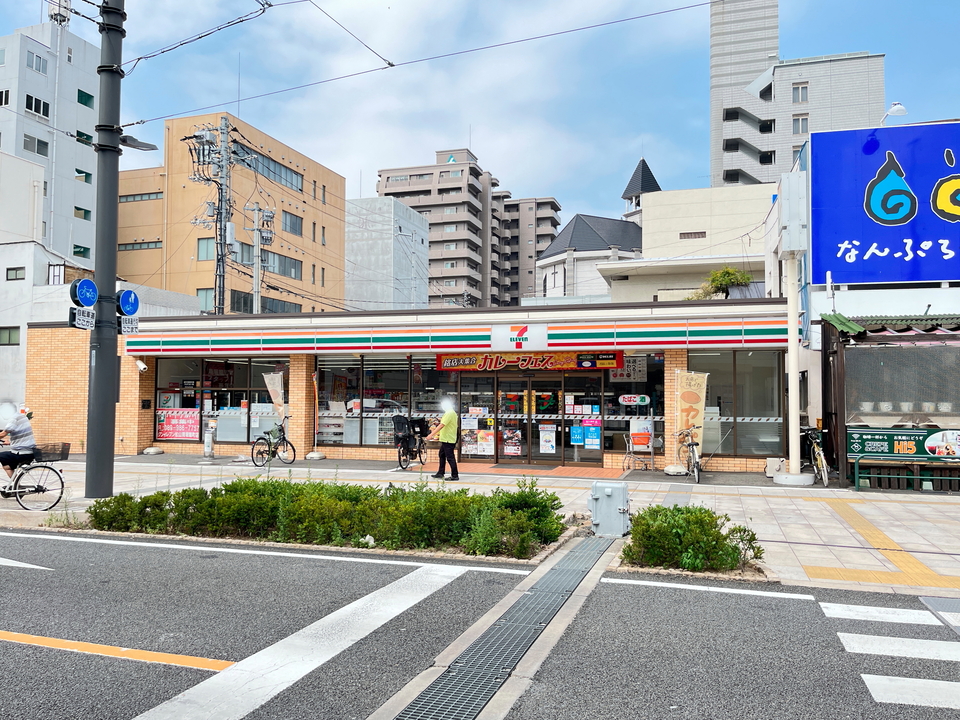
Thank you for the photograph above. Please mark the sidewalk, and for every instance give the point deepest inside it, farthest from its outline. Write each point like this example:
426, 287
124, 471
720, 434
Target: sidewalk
903, 542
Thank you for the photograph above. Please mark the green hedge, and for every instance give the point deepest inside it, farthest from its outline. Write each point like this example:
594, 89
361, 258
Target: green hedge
691, 537
511, 523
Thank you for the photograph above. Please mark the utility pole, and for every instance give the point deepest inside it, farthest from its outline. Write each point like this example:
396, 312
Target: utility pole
104, 364
262, 235
222, 164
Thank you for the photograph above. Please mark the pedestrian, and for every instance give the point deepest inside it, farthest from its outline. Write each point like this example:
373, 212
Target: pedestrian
15, 430
446, 432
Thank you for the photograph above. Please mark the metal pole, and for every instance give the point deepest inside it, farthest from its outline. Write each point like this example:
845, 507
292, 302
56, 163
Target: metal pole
257, 260
793, 363
104, 366
224, 214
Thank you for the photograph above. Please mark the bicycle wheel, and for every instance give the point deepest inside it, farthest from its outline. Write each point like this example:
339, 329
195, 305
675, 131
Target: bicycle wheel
260, 452
403, 457
286, 452
38, 487
422, 452
695, 465
820, 465
629, 463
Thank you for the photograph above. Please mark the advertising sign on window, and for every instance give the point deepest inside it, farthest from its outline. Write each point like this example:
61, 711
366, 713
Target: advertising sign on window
178, 425
691, 395
634, 370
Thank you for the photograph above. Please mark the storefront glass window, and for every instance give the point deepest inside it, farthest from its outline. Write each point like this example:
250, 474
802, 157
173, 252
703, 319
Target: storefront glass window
338, 400
263, 413
583, 423
386, 393
477, 417
429, 385
631, 395
178, 399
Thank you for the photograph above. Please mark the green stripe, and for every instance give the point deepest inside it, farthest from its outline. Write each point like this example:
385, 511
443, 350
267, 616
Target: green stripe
287, 341
727, 333
448, 338
406, 339
581, 335
652, 334
765, 331
180, 343
343, 340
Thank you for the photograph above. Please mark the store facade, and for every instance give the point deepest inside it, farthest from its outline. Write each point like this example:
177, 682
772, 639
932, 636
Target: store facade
535, 386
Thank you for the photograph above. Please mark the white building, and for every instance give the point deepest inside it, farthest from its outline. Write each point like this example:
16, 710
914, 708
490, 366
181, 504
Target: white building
762, 108
48, 110
387, 246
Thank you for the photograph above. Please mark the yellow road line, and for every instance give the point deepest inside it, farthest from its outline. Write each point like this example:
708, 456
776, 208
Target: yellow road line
117, 652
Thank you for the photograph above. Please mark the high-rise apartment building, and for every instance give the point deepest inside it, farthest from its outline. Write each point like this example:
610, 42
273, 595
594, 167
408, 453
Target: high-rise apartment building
528, 226
48, 110
168, 235
763, 109
475, 249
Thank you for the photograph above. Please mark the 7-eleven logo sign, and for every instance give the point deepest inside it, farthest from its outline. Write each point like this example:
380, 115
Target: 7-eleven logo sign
518, 335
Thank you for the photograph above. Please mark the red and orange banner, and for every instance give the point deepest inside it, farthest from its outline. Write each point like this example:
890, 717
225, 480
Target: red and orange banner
691, 397
489, 362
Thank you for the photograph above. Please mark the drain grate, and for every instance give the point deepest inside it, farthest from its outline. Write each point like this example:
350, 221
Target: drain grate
457, 694
479, 671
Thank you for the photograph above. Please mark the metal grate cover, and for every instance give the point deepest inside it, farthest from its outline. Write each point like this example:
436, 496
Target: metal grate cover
534, 608
456, 694
499, 649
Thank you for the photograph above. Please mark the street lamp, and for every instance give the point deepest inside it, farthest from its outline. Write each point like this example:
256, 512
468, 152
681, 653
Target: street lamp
131, 142
896, 110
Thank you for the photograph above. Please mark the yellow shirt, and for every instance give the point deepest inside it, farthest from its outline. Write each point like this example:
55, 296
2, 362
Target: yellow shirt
448, 434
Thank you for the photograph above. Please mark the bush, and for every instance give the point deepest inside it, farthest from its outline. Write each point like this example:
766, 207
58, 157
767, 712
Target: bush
691, 538
505, 523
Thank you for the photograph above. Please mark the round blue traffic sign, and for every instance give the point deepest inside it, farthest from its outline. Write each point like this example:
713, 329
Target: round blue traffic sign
84, 292
128, 302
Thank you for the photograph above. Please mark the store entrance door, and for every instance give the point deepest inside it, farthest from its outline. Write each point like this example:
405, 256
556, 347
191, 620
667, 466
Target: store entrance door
528, 420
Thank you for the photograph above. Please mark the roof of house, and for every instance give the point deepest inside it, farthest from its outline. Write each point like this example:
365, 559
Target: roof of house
641, 182
589, 232
894, 324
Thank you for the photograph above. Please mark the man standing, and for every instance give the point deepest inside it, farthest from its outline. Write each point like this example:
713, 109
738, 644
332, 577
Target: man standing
16, 430
446, 432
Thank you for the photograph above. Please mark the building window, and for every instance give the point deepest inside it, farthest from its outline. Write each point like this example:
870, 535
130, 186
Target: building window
84, 138
206, 299
452, 210
4, 97
291, 223
55, 274
10, 336
314, 189
450, 283
323, 277
44, 188
81, 251
323, 194
801, 124
69, 55
43, 224
398, 178
700, 234
449, 246
450, 228
323, 235
243, 253
242, 302
268, 167
313, 232
731, 176
82, 176
800, 92
139, 196
422, 176
35, 145
313, 274
731, 145
35, 62
3, 56
85, 98
768, 157
450, 264
767, 126
16, 273
147, 245
206, 248
731, 115
81, 213
282, 265
796, 152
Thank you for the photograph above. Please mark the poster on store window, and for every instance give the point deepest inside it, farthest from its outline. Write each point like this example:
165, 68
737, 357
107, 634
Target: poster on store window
592, 437
178, 424
691, 395
548, 440
634, 370
485, 442
512, 440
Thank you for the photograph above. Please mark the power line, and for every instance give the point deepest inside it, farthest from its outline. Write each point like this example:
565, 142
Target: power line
443, 56
387, 62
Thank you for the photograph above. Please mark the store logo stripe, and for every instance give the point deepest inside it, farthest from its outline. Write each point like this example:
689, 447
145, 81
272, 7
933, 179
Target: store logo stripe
651, 334
779, 331
579, 335
452, 337
726, 333
561, 328
400, 340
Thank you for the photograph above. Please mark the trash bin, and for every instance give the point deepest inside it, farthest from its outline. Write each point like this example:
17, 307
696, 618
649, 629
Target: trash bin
609, 506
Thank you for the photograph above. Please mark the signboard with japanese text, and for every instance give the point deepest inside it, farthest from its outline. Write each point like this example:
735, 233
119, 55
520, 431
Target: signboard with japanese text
691, 396
903, 443
634, 370
489, 362
178, 425
885, 204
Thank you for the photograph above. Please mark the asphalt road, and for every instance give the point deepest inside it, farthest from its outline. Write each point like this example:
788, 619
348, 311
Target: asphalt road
633, 651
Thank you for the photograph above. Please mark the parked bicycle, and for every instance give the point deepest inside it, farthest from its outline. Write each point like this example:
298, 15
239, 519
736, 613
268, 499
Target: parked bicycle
273, 444
38, 485
817, 459
688, 452
408, 436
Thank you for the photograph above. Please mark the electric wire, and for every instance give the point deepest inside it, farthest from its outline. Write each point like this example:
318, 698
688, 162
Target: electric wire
387, 62
431, 58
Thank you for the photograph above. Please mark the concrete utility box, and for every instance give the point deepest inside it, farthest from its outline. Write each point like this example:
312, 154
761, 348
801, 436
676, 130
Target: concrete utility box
609, 506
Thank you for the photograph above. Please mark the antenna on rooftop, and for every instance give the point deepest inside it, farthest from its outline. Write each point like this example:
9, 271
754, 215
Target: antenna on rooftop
59, 11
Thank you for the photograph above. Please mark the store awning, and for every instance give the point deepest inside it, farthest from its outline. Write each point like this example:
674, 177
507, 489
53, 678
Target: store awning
884, 327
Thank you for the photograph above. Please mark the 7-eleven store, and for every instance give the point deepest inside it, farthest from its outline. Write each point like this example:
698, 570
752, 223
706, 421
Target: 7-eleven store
535, 386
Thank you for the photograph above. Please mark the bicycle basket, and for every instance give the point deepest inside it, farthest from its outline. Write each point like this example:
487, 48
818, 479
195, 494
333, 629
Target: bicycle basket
420, 426
51, 452
273, 434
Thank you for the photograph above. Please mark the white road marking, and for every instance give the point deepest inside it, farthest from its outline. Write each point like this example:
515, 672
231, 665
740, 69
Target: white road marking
242, 688
901, 647
913, 691
203, 547
16, 563
879, 614
952, 618
710, 588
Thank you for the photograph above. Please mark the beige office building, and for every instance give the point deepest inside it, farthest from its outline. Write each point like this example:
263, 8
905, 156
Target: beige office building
167, 236
472, 246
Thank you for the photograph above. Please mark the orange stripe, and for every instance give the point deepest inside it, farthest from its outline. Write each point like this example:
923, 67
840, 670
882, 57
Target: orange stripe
117, 652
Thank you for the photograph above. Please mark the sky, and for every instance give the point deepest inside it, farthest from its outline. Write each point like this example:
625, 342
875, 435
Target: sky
566, 116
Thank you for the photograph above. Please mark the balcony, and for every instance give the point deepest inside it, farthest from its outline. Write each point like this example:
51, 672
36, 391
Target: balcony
437, 252
551, 215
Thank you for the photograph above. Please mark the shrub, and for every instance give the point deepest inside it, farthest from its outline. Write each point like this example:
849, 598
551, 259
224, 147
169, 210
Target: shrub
691, 538
120, 513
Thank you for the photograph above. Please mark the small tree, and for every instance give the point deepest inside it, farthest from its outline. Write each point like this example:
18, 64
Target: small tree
727, 277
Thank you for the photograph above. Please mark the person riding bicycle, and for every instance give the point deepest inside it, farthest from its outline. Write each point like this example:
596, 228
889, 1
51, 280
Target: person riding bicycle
15, 428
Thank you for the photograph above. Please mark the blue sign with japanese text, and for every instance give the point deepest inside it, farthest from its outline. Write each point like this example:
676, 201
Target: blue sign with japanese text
885, 204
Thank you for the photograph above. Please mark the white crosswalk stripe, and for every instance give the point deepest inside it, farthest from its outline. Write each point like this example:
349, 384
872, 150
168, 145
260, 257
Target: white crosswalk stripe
895, 690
